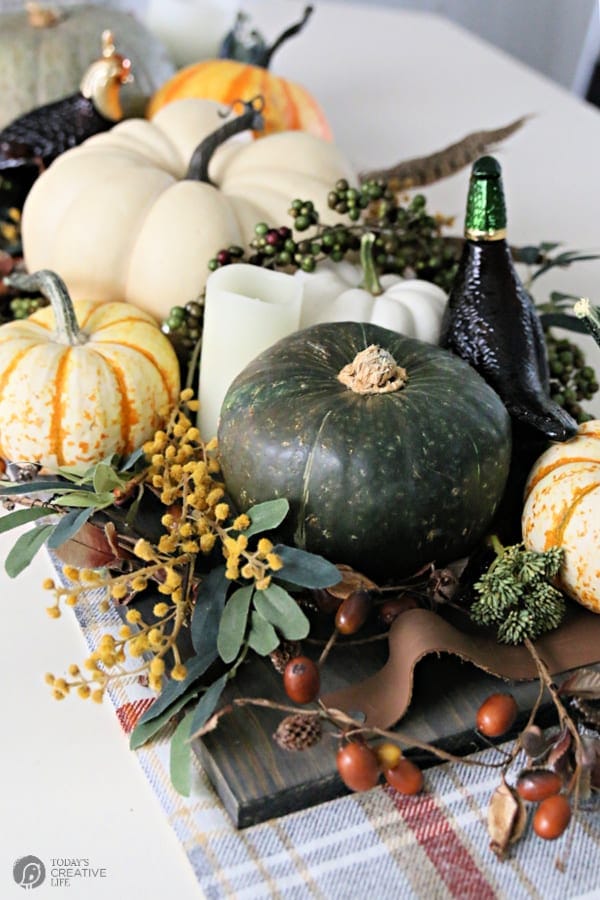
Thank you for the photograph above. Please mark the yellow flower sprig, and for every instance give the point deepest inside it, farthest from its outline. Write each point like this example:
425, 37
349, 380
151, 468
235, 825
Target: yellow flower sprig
184, 472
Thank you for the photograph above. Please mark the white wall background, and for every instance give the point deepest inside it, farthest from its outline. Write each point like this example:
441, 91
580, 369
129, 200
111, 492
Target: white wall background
560, 38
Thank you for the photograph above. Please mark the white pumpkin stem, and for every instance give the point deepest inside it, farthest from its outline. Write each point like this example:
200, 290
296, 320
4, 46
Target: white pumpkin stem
373, 371
583, 309
55, 290
250, 119
370, 280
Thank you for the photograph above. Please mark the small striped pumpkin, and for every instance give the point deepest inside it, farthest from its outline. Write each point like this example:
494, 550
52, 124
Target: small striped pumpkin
288, 106
79, 382
562, 509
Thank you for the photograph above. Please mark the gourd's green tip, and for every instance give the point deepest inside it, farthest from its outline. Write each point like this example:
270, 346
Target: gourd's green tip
486, 167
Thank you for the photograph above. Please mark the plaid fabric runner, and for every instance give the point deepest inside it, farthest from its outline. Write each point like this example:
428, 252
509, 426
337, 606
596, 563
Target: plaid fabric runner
378, 844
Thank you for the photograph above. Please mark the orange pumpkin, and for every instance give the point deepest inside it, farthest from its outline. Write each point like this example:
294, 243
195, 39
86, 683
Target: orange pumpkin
242, 75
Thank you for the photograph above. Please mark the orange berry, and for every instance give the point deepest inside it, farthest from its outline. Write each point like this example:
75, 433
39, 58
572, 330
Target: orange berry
358, 766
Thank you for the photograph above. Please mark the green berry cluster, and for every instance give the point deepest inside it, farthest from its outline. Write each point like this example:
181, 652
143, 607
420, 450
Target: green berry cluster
22, 307
183, 327
571, 380
408, 240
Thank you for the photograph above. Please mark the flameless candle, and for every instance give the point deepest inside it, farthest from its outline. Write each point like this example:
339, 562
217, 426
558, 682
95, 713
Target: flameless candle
246, 310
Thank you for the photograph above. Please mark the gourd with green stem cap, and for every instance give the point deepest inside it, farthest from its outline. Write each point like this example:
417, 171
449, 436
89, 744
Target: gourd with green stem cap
491, 320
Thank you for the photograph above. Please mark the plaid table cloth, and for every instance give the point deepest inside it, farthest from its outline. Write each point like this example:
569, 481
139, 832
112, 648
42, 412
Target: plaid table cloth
380, 843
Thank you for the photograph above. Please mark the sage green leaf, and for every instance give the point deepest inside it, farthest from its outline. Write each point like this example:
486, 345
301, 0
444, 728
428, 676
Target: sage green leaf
86, 498
282, 611
232, 626
144, 731
22, 516
266, 516
210, 601
563, 320
207, 704
25, 548
106, 479
130, 461
68, 526
262, 637
306, 569
180, 757
38, 486
196, 667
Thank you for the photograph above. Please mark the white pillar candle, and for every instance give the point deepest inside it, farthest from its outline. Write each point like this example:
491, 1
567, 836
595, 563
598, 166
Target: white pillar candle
246, 310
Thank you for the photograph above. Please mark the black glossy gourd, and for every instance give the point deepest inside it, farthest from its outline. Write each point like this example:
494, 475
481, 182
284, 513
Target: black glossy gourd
491, 321
400, 462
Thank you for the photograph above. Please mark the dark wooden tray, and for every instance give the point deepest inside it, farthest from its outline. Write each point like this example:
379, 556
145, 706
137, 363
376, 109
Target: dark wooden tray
256, 780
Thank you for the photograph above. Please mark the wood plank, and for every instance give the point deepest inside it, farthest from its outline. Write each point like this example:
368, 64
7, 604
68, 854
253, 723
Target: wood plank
256, 780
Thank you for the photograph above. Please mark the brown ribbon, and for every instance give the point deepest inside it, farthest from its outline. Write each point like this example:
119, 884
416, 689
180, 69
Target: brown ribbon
385, 697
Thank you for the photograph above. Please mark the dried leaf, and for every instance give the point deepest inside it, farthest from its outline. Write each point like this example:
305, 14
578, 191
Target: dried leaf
506, 819
92, 547
424, 170
351, 581
584, 683
559, 757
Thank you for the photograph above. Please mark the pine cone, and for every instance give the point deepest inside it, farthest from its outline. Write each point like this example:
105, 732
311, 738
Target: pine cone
298, 732
281, 656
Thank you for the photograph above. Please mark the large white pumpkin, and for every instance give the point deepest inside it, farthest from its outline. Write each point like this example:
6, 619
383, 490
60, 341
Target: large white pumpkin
562, 509
117, 218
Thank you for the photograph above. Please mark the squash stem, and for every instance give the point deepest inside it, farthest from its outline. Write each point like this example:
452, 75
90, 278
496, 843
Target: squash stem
370, 281
583, 309
55, 290
251, 119
284, 36
497, 545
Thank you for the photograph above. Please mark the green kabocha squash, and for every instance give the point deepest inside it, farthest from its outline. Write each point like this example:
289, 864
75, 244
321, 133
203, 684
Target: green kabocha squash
392, 452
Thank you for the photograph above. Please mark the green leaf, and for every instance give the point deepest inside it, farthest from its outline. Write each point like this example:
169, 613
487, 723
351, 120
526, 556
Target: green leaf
106, 479
232, 626
262, 638
68, 526
210, 601
306, 569
22, 516
86, 498
282, 611
25, 548
563, 320
39, 486
266, 516
146, 730
207, 704
130, 461
196, 667
180, 757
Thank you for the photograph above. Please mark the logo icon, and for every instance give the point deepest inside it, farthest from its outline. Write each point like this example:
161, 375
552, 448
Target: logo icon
29, 872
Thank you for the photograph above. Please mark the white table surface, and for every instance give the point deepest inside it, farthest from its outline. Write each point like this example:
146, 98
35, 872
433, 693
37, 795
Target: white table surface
394, 85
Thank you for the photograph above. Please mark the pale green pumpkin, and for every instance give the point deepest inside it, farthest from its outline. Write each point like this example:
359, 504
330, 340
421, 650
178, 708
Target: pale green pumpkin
40, 64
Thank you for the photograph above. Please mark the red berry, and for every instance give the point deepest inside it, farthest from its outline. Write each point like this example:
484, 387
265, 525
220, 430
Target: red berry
496, 714
358, 766
406, 777
391, 609
537, 784
353, 612
301, 679
552, 817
